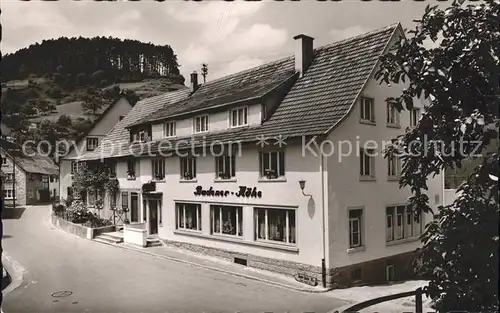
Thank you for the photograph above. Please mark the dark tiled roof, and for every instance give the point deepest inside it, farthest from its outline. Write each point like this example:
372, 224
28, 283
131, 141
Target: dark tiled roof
118, 137
249, 84
316, 103
32, 163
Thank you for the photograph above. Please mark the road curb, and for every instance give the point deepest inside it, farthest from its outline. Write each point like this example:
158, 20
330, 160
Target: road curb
160, 256
266, 281
14, 270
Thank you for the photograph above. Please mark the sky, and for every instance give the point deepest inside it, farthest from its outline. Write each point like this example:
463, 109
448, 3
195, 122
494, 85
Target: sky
228, 36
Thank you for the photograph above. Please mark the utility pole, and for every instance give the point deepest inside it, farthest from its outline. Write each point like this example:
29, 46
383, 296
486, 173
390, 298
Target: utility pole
204, 72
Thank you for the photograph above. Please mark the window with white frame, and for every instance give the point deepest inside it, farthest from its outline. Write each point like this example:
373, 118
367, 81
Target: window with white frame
92, 143
226, 220
225, 166
393, 166
239, 117
158, 169
9, 177
188, 167
132, 168
74, 167
402, 223
272, 164
276, 225
169, 129
367, 110
367, 163
4, 161
392, 114
414, 117
389, 224
201, 124
355, 228
188, 216
111, 167
399, 229
8, 193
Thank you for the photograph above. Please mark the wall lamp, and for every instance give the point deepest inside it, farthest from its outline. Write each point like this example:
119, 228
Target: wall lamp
302, 184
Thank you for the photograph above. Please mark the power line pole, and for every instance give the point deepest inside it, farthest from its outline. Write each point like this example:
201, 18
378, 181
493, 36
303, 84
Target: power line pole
14, 179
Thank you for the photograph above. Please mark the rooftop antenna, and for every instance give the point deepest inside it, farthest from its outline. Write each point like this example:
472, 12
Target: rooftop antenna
204, 72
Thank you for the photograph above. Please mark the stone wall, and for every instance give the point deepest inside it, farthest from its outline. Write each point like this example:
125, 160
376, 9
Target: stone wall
80, 230
372, 272
288, 268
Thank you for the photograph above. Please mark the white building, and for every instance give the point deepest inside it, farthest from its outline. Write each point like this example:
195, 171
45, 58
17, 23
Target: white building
89, 142
349, 224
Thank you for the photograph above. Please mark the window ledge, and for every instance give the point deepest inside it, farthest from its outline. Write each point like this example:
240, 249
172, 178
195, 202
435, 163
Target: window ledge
222, 180
238, 240
158, 180
356, 249
188, 180
367, 178
130, 178
277, 180
401, 241
393, 178
367, 122
393, 125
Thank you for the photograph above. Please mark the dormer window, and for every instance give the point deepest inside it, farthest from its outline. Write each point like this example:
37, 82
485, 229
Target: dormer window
169, 129
201, 124
92, 143
239, 117
141, 135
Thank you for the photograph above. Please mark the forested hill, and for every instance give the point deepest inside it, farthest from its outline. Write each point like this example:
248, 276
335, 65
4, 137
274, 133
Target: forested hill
113, 59
56, 89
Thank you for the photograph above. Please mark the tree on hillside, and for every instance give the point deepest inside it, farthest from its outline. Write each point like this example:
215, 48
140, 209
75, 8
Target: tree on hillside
92, 104
460, 77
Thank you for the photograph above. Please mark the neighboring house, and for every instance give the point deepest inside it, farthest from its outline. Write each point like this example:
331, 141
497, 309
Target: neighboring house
26, 177
454, 177
89, 141
282, 206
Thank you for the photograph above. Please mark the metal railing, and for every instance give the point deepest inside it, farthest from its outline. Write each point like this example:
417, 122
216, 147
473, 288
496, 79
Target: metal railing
363, 305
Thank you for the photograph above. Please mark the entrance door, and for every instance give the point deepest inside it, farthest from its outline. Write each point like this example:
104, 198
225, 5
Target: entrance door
153, 216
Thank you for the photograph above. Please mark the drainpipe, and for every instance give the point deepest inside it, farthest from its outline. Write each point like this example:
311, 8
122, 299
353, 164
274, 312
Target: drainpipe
323, 261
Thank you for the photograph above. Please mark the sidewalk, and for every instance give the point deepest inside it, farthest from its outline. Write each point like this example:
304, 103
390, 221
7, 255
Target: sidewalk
361, 294
221, 265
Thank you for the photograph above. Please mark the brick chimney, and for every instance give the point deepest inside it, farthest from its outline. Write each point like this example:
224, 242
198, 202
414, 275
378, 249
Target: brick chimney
194, 81
303, 53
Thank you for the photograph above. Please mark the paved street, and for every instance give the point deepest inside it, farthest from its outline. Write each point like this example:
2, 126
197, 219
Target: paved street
92, 277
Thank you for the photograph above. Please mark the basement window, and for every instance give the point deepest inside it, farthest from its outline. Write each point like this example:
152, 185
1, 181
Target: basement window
389, 273
240, 261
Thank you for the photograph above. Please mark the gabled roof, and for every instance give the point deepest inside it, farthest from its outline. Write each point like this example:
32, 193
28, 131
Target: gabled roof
246, 85
119, 137
32, 163
317, 102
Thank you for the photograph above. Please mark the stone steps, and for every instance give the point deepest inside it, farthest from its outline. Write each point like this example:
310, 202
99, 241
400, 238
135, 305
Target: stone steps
109, 238
153, 242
